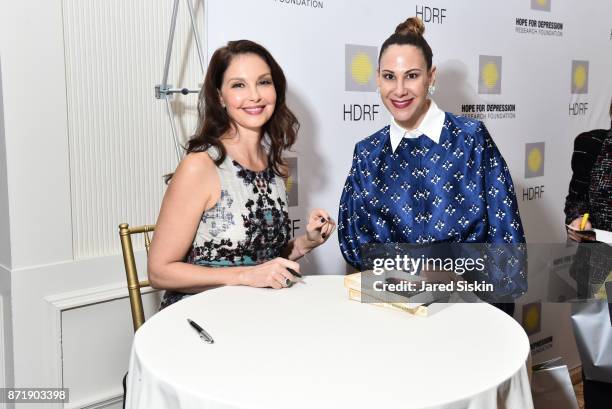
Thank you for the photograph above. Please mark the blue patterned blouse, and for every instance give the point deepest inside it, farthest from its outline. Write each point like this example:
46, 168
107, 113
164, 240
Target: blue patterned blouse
457, 189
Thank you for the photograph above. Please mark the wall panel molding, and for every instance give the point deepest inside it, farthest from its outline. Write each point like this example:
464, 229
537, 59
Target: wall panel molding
119, 134
111, 401
55, 306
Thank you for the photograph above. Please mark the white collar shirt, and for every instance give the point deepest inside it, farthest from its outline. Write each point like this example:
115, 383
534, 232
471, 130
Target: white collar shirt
430, 126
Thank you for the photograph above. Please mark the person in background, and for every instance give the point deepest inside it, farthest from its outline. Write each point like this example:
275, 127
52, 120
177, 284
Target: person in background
429, 176
223, 219
590, 191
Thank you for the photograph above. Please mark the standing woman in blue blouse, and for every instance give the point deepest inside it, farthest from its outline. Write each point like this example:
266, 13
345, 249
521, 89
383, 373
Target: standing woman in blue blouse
429, 176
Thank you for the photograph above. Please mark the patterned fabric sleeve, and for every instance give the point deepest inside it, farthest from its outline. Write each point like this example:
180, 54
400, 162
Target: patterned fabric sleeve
504, 220
586, 148
507, 255
352, 232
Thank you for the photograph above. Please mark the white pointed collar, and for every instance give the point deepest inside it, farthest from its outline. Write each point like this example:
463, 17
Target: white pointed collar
430, 126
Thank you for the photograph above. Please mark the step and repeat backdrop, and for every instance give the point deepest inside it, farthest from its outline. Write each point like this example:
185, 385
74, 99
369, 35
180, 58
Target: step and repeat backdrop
536, 72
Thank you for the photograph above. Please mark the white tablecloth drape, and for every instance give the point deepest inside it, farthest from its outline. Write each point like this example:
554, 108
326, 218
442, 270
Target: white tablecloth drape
310, 347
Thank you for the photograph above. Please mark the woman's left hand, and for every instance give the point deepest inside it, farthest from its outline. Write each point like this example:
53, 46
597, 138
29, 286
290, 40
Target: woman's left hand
320, 226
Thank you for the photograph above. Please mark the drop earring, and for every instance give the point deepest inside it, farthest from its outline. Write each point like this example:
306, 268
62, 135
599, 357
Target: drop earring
431, 90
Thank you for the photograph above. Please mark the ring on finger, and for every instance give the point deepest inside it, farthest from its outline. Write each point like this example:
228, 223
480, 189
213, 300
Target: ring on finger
288, 283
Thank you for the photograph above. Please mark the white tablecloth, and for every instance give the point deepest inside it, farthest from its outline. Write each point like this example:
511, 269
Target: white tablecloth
310, 347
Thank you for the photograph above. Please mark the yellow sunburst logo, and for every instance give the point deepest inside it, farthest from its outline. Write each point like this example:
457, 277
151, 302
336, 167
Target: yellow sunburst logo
534, 160
289, 184
580, 77
362, 68
490, 75
532, 318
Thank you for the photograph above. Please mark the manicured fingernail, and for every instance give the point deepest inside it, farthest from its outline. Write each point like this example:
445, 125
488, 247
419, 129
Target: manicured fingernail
322, 220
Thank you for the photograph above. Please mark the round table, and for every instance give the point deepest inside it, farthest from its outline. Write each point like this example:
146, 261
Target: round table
309, 346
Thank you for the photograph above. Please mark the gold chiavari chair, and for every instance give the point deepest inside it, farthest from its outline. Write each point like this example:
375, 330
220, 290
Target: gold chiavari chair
134, 284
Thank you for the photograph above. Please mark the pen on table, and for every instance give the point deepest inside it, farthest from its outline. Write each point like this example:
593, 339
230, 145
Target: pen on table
584, 221
203, 334
295, 273
289, 283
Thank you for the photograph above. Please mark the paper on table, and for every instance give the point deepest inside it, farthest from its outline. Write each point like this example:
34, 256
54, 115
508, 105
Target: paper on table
593, 234
417, 304
603, 236
420, 310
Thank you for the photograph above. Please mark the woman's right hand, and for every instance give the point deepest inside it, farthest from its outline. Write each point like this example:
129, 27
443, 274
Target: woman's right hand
575, 224
272, 273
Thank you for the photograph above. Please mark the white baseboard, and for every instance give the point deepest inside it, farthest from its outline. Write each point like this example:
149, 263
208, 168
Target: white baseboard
102, 402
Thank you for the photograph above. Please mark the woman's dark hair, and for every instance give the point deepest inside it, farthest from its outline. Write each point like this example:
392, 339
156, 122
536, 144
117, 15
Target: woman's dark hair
213, 120
410, 32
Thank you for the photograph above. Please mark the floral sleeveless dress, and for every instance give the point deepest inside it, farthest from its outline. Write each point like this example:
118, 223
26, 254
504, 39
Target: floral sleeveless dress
248, 225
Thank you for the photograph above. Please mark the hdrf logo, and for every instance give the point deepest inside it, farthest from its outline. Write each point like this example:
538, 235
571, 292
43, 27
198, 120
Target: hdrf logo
579, 85
534, 160
489, 74
534, 167
543, 5
360, 75
580, 77
360, 68
532, 318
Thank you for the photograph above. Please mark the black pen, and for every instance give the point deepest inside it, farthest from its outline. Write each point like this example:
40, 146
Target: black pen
203, 334
295, 273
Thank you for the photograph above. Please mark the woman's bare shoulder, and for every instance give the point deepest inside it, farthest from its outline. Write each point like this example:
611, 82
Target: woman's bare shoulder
196, 176
195, 164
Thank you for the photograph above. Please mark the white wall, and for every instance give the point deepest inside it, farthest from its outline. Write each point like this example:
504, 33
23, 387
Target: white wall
6, 351
86, 148
5, 237
36, 132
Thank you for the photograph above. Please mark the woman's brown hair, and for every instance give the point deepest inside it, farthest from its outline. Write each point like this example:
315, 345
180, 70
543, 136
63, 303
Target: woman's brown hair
213, 121
410, 32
